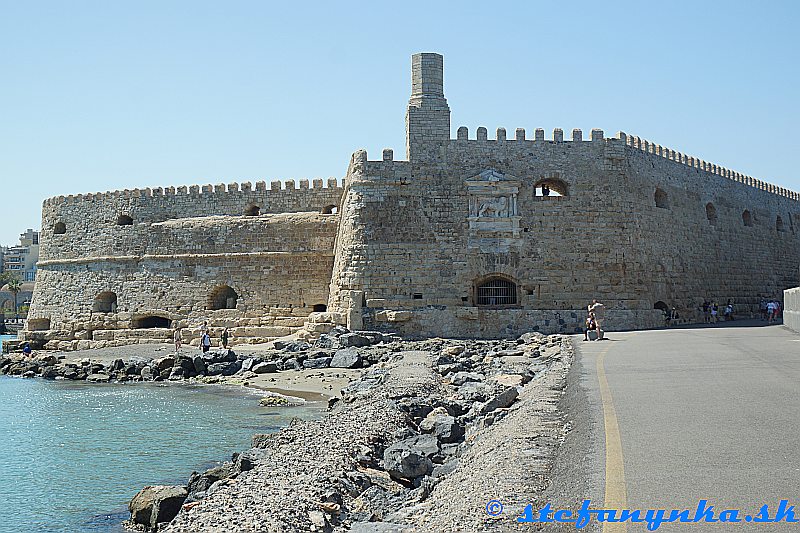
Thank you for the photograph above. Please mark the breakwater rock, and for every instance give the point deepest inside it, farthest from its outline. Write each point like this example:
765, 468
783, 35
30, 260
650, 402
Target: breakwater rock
419, 443
336, 349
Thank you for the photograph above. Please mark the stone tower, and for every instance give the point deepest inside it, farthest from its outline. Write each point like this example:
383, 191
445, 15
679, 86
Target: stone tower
428, 115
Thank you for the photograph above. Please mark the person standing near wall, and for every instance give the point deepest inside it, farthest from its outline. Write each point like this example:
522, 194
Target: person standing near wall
224, 338
598, 310
177, 338
205, 342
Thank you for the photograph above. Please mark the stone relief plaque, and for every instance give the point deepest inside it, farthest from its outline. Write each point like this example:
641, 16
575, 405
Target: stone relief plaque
493, 218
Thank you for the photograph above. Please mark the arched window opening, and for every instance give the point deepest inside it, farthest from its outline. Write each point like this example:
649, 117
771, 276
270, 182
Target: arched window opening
661, 199
222, 297
150, 322
320, 308
747, 218
124, 220
779, 224
550, 187
252, 211
661, 306
38, 324
105, 302
59, 228
496, 291
711, 214
330, 210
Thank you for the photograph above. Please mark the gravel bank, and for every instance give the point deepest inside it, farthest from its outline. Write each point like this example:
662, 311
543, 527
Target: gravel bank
420, 443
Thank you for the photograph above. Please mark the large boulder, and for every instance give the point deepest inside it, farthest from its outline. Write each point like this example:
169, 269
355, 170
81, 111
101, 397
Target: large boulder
346, 358
156, 504
354, 339
459, 378
226, 368
269, 367
200, 366
317, 362
200, 483
442, 426
164, 363
410, 458
500, 401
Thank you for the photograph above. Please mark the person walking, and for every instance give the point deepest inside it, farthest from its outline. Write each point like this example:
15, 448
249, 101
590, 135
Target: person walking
599, 311
770, 311
205, 342
176, 337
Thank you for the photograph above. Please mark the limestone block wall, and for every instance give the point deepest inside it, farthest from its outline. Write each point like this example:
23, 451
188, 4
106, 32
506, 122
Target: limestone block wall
407, 242
178, 251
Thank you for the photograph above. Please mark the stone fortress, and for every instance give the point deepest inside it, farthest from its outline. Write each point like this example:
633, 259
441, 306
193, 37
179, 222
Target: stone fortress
459, 239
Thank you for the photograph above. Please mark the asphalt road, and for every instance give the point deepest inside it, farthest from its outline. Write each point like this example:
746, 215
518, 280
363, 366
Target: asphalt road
703, 413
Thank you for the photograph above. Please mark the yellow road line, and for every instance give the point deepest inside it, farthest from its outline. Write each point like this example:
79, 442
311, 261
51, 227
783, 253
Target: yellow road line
616, 496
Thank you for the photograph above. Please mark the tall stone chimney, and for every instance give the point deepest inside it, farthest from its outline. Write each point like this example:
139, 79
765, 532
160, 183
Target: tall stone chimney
428, 115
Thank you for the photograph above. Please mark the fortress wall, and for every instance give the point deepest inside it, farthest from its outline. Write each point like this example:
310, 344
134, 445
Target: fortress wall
91, 216
289, 232
279, 266
694, 258
406, 253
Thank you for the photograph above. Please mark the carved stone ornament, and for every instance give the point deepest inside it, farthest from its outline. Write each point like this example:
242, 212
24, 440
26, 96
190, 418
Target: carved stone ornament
493, 218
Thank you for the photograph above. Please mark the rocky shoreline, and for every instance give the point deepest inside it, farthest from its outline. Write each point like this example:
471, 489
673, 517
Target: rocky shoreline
421, 442
430, 432
337, 349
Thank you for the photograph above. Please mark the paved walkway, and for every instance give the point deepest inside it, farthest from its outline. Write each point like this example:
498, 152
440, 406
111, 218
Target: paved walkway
697, 413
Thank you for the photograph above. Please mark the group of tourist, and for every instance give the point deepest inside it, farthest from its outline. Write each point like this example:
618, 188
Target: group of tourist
770, 310
712, 309
205, 338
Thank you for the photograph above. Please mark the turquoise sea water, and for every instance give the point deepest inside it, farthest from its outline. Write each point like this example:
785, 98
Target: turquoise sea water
6, 338
73, 454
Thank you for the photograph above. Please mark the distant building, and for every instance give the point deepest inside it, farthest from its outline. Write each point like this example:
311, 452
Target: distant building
22, 259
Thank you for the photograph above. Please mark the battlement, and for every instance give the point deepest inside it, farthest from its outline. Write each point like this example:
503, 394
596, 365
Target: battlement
481, 134
657, 150
200, 190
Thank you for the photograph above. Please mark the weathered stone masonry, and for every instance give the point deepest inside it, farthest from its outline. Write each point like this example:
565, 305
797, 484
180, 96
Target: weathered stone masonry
456, 240
255, 260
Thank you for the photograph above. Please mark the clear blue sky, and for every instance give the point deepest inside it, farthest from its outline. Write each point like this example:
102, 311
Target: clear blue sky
98, 95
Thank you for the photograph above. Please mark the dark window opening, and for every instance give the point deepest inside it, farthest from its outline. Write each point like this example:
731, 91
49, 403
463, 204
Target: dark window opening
124, 220
496, 291
150, 322
330, 210
711, 214
779, 224
252, 211
222, 297
661, 199
416, 296
59, 228
550, 187
747, 218
661, 306
320, 308
38, 324
105, 302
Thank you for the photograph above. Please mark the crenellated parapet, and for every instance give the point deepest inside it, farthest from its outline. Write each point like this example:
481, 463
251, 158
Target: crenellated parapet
649, 147
481, 134
318, 185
